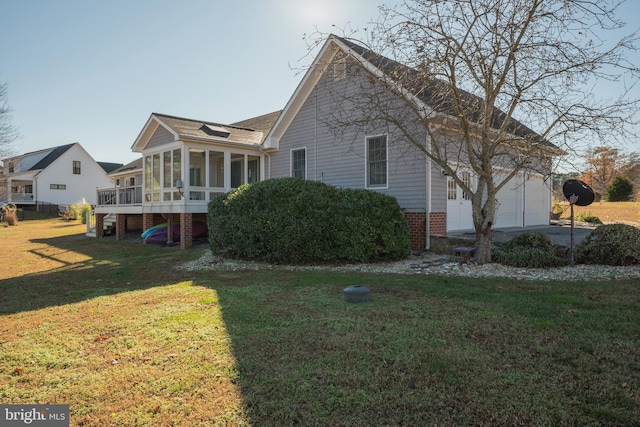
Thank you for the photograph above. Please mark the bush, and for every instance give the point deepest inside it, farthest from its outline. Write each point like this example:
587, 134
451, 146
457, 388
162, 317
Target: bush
79, 211
10, 215
620, 190
610, 244
533, 250
288, 220
587, 217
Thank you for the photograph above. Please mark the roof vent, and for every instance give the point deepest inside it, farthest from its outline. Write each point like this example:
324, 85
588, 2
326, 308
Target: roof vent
214, 130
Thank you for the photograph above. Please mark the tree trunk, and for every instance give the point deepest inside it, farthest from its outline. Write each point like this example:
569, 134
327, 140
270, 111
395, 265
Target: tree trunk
483, 245
484, 212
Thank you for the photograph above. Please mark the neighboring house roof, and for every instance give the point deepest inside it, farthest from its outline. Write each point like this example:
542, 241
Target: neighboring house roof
204, 131
109, 167
429, 97
55, 153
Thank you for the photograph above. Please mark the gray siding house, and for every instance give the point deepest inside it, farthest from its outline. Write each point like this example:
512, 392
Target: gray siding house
319, 137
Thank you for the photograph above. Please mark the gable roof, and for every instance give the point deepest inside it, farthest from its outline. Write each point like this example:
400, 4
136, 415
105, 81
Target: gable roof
53, 155
435, 97
438, 95
109, 167
250, 132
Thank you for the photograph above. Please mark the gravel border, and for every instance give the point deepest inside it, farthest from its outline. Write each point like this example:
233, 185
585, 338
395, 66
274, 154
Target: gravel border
431, 264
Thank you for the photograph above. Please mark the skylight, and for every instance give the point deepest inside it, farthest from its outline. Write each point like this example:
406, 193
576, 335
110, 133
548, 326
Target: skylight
215, 130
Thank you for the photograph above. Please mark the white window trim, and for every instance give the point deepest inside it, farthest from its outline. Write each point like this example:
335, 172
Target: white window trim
305, 161
366, 162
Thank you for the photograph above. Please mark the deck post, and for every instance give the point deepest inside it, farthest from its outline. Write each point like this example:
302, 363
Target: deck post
186, 230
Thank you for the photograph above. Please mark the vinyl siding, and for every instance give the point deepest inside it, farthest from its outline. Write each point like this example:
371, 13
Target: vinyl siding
337, 156
160, 137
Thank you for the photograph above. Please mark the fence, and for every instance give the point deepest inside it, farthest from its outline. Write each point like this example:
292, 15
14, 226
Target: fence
48, 208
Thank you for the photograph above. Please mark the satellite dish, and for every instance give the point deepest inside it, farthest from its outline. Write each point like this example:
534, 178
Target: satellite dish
575, 187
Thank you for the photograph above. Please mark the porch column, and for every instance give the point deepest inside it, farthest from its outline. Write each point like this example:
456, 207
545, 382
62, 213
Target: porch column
147, 221
100, 225
186, 230
121, 226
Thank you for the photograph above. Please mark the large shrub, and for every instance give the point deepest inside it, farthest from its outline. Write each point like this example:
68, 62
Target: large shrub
288, 220
529, 249
79, 211
610, 244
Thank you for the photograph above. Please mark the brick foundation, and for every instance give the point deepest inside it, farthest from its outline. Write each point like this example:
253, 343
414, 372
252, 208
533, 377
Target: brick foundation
438, 223
418, 225
417, 229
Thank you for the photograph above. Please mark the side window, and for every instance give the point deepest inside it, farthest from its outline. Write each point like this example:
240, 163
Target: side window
76, 167
466, 178
377, 175
452, 189
299, 163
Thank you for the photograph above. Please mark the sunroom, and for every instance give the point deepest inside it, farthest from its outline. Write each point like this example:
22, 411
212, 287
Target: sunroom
185, 164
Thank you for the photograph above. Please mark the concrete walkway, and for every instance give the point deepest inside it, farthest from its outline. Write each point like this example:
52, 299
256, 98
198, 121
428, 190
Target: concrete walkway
558, 231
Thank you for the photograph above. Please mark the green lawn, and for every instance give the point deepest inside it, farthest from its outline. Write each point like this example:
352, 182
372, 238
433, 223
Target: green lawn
114, 330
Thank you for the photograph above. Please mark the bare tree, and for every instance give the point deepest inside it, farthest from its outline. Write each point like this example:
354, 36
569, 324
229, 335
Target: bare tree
604, 164
8, 133
479, 76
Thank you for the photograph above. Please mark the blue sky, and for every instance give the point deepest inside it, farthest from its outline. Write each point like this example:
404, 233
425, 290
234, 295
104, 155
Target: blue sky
93, 71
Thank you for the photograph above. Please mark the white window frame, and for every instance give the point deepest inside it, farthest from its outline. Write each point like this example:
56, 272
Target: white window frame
366, 161
304, 150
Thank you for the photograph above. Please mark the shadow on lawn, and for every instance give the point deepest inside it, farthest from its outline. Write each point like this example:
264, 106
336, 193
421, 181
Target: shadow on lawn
82, 268
451, 351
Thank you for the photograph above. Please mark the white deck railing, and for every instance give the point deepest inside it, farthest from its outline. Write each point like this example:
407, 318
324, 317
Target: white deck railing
126, 196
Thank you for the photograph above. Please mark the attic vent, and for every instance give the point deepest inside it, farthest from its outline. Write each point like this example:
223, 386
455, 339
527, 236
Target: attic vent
214, 130
340, 69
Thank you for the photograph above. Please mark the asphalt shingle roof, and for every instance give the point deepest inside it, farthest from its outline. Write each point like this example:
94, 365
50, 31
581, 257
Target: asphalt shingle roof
438, 94
51, 157
217, 132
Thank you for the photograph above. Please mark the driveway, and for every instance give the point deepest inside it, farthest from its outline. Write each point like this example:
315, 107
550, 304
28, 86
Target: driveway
559, 232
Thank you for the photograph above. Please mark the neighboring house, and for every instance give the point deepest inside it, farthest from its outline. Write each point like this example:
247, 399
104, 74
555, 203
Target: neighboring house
59, 175
186, 163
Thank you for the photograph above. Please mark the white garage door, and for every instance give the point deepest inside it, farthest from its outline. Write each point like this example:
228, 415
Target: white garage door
524, 201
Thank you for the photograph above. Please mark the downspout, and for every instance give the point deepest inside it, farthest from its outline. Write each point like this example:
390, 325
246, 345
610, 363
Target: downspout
428, 202
269, 157
524, 198
315, 135
267, 170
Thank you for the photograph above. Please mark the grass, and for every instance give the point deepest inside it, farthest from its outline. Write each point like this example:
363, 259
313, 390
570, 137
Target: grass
608, 211
112, 329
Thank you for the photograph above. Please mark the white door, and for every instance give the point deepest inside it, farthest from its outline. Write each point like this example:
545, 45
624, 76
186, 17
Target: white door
459, 214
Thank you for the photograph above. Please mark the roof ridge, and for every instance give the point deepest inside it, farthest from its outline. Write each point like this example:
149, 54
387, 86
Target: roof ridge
206, 122
387, 65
